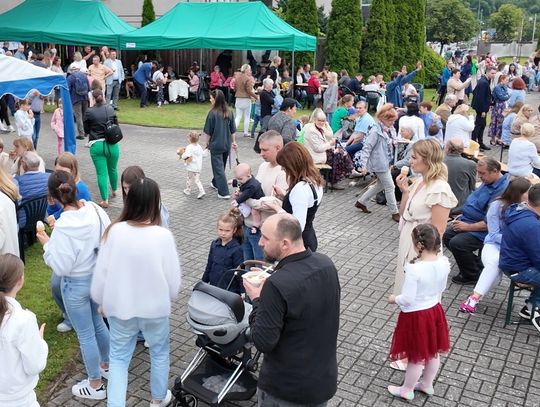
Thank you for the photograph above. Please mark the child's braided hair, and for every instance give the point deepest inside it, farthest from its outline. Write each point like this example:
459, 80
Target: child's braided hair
427, 237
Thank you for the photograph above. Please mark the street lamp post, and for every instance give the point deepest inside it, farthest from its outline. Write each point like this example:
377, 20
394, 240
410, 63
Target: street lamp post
534, 28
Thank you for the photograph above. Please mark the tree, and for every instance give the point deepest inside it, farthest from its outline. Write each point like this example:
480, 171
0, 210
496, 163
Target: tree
449, 21
302, 15
148, 13
376, 55
344, 36
323, 20
409, 32
507, 22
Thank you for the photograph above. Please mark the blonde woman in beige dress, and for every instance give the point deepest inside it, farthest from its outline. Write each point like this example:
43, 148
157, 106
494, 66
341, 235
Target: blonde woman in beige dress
428, 200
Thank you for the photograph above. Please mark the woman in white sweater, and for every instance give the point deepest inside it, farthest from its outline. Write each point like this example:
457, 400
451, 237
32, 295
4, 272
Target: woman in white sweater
136, 277
522, 155
23, 352
460, 125
71, 252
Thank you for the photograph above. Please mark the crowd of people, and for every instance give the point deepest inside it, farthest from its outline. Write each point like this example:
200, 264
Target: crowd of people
114, 281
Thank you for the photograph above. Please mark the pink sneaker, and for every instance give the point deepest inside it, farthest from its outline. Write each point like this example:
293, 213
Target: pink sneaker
469, 305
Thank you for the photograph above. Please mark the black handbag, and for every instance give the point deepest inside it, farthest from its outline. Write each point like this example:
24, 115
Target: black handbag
113, 133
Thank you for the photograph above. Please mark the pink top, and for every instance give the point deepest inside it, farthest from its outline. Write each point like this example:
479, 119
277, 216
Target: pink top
216, 79
57, 122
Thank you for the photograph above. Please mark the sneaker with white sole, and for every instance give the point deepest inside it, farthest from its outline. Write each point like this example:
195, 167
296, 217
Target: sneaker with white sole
213, 186
63, 327
224, 196
104, 372
526, 313
187, 192
165, 402
536, 322
469, 305
85, 391
201, 194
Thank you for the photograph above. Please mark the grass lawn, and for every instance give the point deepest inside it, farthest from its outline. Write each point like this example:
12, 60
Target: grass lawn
36, 296
189, 115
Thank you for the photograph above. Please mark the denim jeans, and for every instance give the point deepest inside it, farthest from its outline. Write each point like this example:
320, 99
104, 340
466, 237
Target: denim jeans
56, 289
143, 93
252, 250
219, 161
531, 276
123, 339
37, 127
352, 149
91, 330
256, 121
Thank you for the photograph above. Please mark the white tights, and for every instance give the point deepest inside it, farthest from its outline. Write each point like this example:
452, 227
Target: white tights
414, 371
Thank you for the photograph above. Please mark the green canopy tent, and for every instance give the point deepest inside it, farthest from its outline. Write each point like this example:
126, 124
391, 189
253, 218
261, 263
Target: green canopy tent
70, 22
235, 26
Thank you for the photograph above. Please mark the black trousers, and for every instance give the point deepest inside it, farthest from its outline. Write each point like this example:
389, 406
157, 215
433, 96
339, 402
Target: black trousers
463, 245
4, 110
479, 127
141, 88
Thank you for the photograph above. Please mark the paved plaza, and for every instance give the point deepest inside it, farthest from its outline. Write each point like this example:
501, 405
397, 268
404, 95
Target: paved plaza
488, 365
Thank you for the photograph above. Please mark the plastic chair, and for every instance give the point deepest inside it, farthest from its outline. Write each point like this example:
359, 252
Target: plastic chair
34, 210
511, 292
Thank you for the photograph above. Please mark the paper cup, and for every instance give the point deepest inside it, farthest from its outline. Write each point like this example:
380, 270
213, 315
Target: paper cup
255, 278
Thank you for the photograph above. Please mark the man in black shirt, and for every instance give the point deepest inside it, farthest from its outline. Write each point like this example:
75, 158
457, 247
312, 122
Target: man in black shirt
295, 319
266, 97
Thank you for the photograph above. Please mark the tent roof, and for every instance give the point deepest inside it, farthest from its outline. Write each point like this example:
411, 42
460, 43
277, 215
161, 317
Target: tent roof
74, 22
238, 26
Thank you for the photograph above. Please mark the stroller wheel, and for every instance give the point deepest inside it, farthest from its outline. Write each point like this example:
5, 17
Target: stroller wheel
186, 400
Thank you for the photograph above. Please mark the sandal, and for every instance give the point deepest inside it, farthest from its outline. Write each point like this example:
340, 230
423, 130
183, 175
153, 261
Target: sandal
104, 204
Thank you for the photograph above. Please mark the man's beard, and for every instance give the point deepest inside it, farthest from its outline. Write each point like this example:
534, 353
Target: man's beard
269, 258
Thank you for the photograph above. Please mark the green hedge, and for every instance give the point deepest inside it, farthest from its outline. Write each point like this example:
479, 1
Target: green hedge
433, 65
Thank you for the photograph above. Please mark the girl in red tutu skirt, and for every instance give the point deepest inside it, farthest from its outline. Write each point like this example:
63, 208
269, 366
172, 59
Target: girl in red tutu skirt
421, 333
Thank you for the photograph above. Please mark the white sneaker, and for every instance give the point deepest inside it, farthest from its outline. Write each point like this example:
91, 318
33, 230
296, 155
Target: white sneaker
223, 196
187, 192
201, 194
212, 186
63, 327
11, 129
104, 372
85, 391
164, 402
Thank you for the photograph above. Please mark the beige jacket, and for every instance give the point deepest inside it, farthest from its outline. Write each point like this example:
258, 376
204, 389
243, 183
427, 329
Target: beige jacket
456, 87
317, 143
244, 87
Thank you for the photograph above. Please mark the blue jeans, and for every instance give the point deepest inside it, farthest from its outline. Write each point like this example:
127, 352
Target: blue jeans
352, 149
123, 340
256, 121
218, 161
91, 330
56, 289
531, 276
252, 250
37, 127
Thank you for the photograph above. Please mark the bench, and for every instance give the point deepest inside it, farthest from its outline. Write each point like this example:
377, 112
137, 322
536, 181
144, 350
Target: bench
326, 172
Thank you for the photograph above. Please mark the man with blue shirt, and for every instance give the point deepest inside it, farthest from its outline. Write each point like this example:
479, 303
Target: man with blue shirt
114, 81
445, 75
140, 77
394, 93
363, 123
465, 235
32, 183
520, 257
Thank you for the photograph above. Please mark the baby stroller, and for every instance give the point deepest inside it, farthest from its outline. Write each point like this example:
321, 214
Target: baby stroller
223, 368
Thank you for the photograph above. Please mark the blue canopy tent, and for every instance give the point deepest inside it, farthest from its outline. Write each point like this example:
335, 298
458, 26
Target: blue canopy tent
19, 78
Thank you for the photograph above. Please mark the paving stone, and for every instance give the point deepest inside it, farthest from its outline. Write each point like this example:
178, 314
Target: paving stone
488, 364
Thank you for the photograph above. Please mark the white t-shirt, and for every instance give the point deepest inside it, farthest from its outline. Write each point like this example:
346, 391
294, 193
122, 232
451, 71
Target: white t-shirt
425, 281
194, 151
522, 157
301, 198
9, 241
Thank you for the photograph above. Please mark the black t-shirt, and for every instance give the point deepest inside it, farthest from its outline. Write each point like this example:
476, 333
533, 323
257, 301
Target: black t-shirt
267, 100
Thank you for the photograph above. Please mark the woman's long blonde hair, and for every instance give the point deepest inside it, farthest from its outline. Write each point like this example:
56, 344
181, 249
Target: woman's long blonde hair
7, 186
431, 152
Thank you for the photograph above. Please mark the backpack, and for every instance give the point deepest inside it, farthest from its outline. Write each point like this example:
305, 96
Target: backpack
113, 133
81, 85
